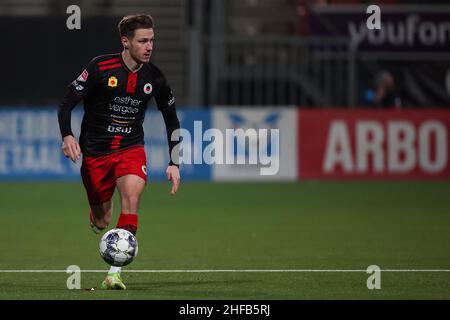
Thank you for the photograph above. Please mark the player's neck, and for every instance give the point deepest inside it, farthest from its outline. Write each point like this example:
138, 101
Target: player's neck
130, 62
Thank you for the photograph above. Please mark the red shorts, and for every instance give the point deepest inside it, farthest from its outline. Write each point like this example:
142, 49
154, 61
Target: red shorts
99, 174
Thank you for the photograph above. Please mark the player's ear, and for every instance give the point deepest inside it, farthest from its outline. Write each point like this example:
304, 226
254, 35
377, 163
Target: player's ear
125, 42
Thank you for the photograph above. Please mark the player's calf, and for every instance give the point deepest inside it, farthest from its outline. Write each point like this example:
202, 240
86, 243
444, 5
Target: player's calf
100, 216
96, 226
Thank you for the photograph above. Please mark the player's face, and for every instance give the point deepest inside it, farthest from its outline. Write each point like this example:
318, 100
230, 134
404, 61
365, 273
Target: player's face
141, 45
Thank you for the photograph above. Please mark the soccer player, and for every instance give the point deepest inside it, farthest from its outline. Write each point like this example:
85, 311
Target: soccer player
115, 89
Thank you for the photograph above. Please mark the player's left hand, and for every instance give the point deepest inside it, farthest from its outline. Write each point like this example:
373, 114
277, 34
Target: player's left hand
173, 174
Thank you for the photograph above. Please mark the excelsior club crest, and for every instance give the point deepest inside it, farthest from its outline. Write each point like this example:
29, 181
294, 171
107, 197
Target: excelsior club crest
148, 88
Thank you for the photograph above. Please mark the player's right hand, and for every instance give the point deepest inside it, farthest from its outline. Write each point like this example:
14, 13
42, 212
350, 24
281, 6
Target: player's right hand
71, 148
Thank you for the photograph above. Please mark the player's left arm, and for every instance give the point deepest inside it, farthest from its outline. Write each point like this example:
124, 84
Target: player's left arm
166, 104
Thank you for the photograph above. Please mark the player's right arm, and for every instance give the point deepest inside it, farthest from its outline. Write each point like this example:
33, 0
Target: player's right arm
76, 91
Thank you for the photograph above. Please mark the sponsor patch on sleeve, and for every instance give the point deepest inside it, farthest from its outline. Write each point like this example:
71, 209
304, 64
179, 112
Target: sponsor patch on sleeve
83, 76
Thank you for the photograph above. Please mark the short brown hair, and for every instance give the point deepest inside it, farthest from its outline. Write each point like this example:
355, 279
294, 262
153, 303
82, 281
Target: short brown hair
132, 22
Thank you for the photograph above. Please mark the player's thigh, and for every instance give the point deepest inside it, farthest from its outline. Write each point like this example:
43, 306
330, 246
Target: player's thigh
132, 162
131, 172
99, 182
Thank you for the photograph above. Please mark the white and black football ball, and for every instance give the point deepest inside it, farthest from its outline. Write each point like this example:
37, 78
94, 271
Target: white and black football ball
118, 247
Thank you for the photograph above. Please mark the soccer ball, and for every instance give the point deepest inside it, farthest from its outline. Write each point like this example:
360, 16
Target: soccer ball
118, 247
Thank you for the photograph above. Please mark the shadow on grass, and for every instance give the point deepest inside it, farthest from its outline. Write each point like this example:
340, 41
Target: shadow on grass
172, 284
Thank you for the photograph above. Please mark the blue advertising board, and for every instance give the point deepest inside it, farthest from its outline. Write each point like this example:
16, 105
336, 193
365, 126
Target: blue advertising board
30, 144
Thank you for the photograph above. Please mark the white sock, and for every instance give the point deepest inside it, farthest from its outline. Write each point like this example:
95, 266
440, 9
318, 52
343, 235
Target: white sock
114, 269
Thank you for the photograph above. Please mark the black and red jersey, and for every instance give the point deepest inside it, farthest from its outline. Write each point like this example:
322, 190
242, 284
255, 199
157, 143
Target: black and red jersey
115, 102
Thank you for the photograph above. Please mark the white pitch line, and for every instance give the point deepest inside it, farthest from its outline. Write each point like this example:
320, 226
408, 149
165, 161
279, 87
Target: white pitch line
287, 270
232, 271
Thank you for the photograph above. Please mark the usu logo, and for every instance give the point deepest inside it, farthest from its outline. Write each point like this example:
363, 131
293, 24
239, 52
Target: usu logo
115, 129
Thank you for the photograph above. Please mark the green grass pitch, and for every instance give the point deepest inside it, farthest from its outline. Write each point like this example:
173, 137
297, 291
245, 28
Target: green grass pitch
239, 226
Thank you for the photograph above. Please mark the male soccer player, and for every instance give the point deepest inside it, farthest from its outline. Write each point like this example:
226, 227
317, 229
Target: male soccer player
115, 89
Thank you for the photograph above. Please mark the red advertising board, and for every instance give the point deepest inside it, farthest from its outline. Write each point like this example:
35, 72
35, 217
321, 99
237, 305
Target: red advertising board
373, 144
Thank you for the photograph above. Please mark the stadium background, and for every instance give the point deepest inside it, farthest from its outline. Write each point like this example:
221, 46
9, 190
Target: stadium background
360, 183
